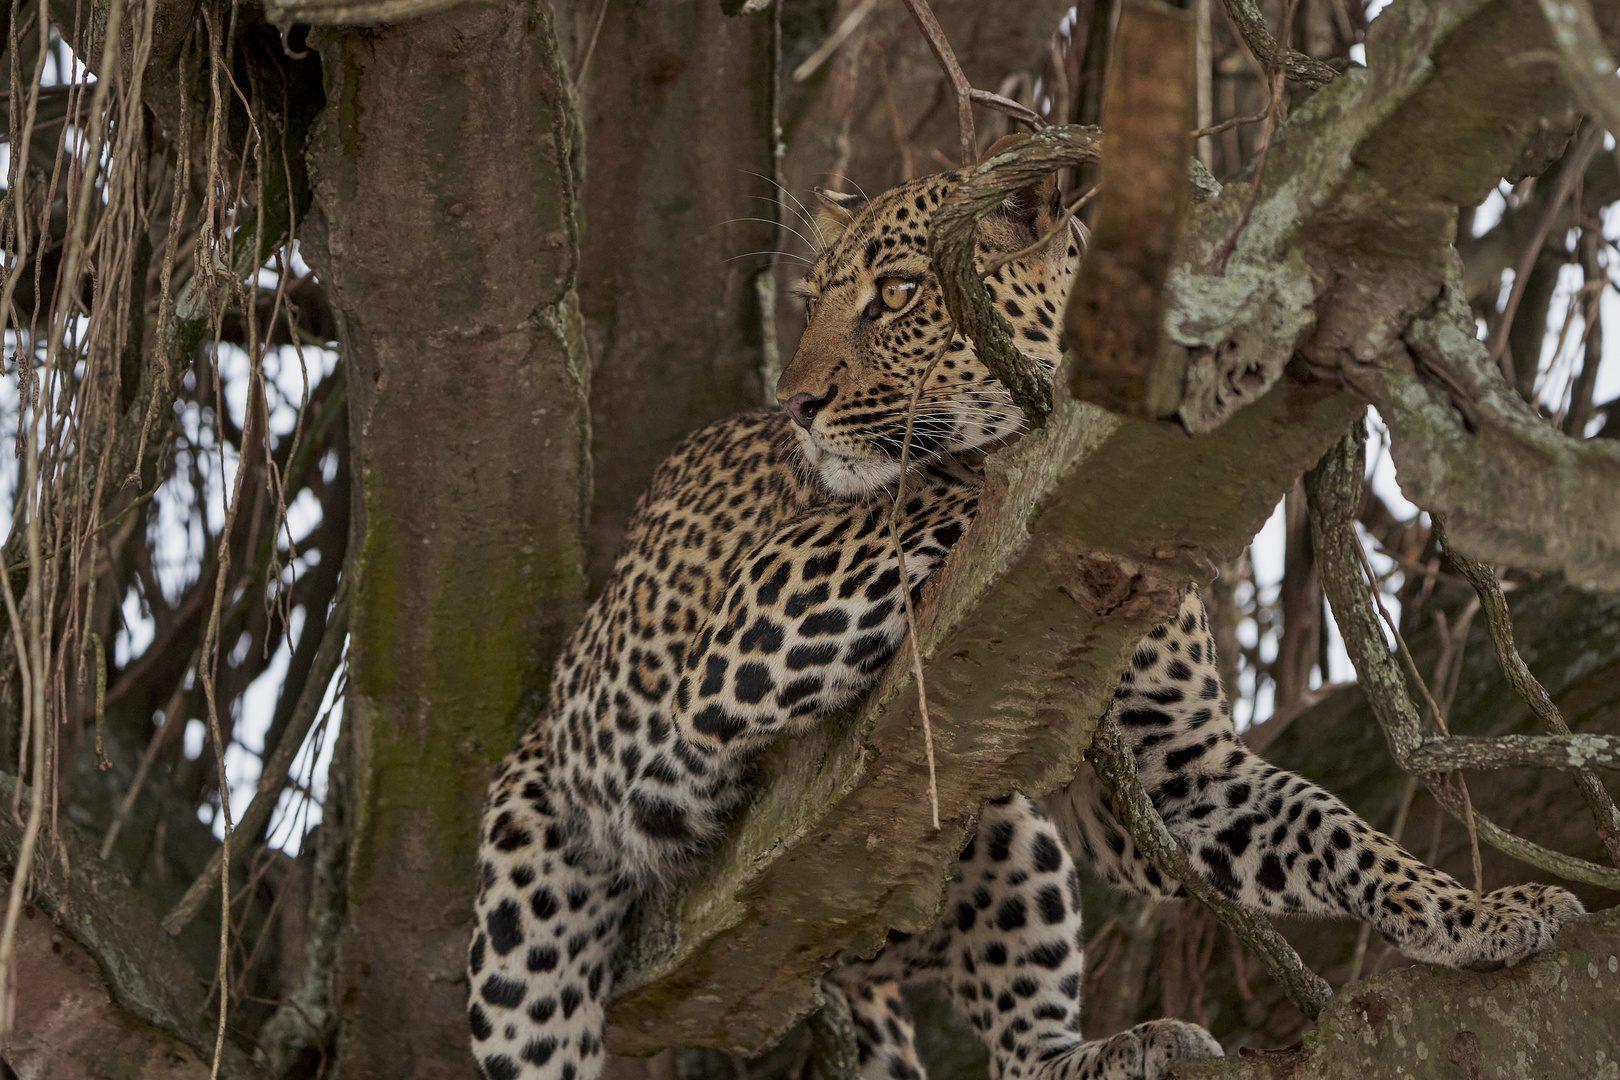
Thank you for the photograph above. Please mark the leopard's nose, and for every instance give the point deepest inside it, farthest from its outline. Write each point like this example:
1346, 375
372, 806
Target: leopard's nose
804, 408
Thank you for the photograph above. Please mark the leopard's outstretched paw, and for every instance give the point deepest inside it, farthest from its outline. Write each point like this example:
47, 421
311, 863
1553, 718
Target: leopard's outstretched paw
1504, 927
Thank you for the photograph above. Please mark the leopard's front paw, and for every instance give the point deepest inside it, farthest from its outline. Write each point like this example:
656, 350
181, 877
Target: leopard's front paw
1506, 926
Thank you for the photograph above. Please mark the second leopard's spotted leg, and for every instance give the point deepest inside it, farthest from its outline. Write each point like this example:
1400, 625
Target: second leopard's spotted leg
885, 1036
1010, 953
1273, 840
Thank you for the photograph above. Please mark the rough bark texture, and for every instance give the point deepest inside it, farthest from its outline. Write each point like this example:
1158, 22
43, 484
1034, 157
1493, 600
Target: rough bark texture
1552, 1015
99, 974
469, 414
679, 153
68, 1025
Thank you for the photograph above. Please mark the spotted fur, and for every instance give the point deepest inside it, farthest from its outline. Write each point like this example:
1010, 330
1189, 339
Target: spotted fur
759, 589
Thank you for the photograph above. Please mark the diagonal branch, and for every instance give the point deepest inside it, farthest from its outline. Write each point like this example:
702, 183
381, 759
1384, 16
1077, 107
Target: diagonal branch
273, 778
1499, 623
1302, 69
934, 34
1333, 490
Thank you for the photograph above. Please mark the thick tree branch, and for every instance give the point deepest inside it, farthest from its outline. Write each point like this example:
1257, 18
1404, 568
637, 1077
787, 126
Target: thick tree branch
150, 980
1513, 488
1577, 752
1556, 1010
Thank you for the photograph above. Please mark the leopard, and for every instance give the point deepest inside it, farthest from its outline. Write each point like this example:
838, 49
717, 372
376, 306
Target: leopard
763, 584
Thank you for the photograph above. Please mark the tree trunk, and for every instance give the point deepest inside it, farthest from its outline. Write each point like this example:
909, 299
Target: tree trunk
446, 163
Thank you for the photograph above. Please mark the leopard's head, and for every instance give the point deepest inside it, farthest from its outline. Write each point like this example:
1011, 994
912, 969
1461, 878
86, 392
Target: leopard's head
876, 324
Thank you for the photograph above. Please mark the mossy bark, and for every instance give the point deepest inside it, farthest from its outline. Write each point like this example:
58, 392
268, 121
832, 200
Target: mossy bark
1551, 1015
446, 164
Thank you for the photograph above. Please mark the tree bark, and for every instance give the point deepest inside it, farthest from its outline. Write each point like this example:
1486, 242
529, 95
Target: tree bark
446, 163
678, 161
1555, 1010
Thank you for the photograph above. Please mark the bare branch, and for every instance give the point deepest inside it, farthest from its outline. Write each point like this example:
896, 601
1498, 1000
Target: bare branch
941, 46
273, 777
950, 242
1499, 624
1333, 490
1576, 752
1302, 69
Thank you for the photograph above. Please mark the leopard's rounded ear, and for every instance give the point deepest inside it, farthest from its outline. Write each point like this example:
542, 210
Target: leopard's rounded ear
1001, 144
837, 210
1034, 209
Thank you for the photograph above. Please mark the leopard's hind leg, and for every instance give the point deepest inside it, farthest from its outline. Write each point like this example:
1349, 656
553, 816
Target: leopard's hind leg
1010, 952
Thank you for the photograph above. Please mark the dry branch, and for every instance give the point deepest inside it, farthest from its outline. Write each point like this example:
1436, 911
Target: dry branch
940, 45
1499, 624
1302, 69
274, 774
950, 244
1333, 490
1576, 752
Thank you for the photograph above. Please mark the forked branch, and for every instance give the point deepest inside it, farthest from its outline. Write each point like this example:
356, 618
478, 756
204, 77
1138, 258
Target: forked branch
1333, 491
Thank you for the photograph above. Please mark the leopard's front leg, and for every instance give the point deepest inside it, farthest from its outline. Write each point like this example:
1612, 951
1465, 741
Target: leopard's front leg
1275, 841
805, 624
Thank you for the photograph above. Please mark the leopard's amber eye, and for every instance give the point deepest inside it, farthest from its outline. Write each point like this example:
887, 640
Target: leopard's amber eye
896, 293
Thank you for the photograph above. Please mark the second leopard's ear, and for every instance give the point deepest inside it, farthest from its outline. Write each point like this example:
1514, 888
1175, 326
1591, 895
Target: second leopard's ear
837, 210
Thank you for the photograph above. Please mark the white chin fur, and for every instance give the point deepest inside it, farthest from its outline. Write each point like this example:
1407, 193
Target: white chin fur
847, 477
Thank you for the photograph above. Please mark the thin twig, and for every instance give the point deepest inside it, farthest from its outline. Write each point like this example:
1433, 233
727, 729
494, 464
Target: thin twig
596, 30
1228, 125
905, 586
1009, 106
1499, 624
1273, 118
1468, 817
824, 51
1574, 169
273, 778
941, 46
173, 719
1333, 491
